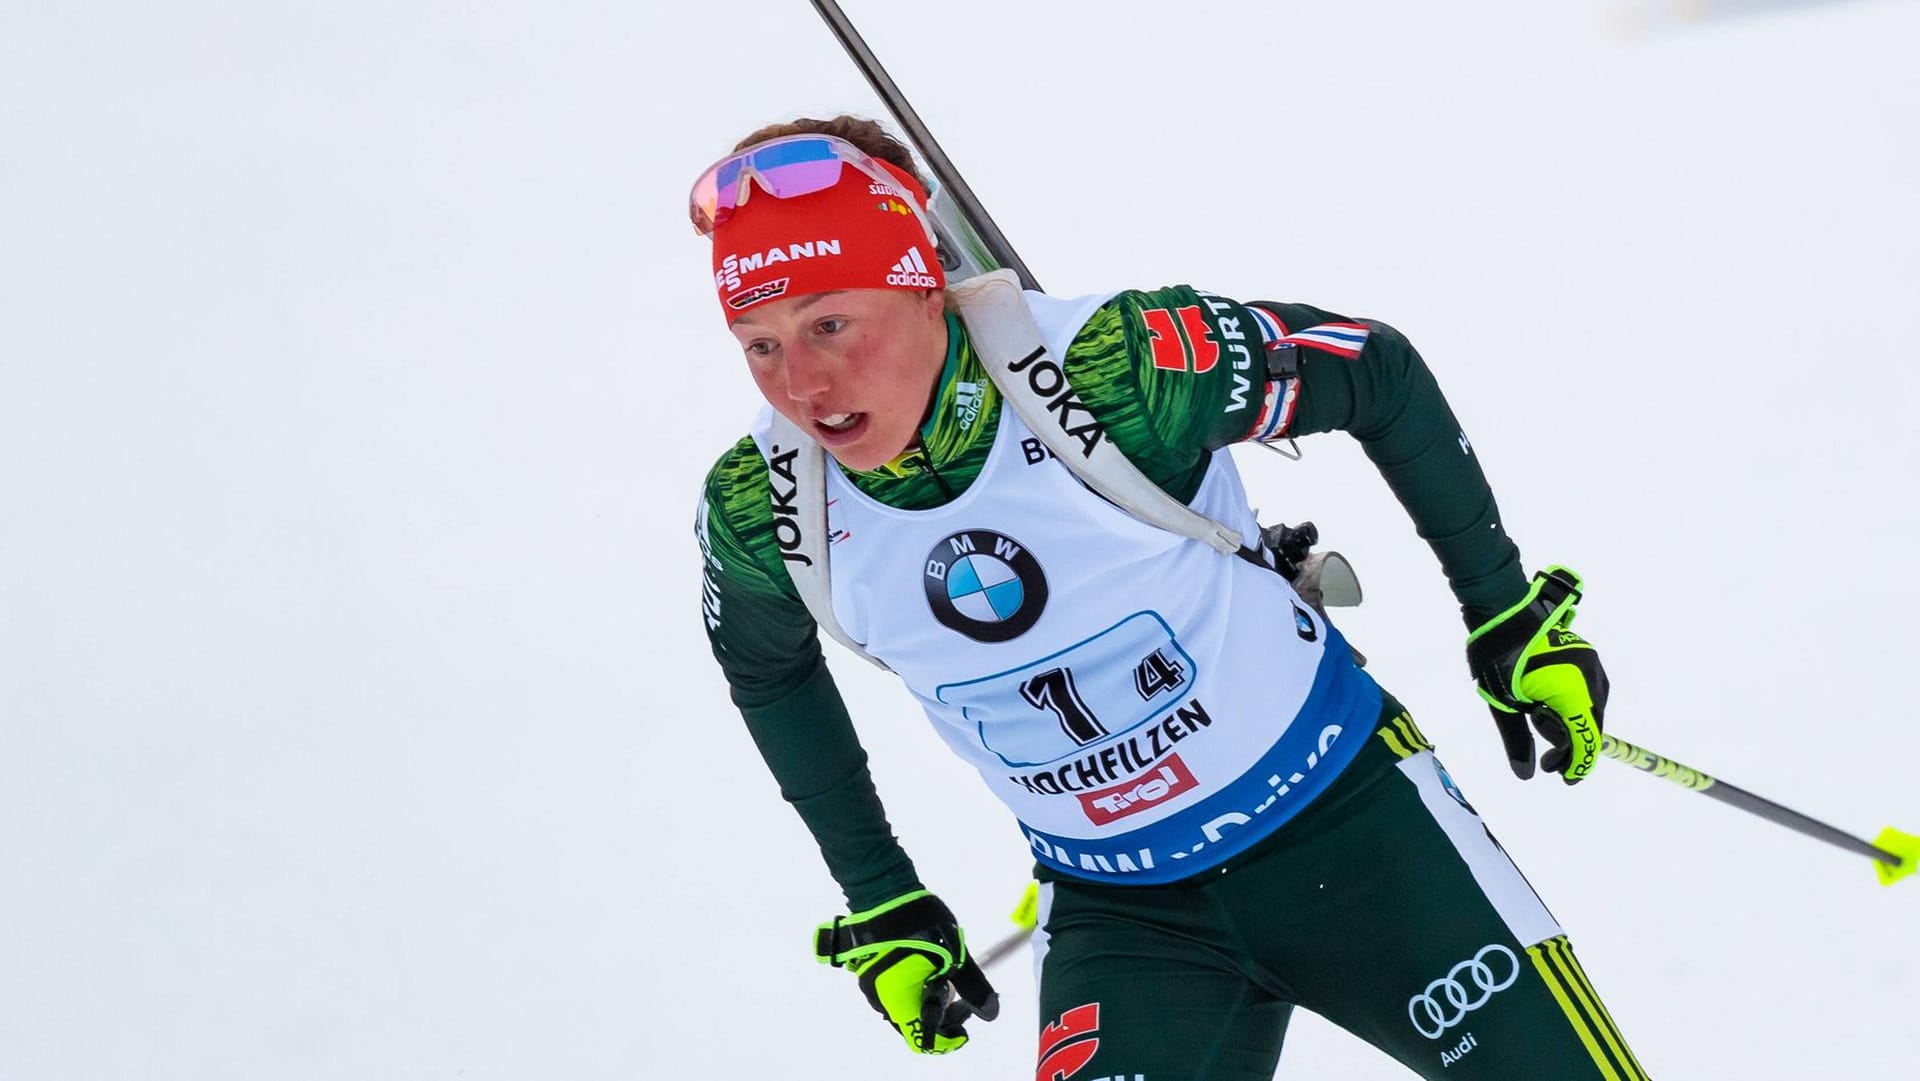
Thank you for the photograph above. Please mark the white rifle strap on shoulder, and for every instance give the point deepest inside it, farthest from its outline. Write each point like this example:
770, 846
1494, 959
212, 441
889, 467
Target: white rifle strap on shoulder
1011, 346
806, 560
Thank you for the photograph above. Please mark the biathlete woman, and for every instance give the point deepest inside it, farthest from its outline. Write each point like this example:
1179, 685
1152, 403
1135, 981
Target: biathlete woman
1229, 817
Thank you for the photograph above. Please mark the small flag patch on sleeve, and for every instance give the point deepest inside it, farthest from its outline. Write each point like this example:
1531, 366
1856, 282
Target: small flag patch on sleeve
1270, 328
1276, 411
1340, 339
1276, 407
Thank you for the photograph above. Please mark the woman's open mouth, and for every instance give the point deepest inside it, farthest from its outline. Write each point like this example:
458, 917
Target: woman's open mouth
839, 429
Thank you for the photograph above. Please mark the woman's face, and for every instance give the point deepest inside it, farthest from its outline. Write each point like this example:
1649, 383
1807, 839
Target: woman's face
853, 369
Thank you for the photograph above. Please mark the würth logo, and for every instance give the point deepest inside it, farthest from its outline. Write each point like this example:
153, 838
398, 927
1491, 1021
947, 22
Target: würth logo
911, 271
1188, 346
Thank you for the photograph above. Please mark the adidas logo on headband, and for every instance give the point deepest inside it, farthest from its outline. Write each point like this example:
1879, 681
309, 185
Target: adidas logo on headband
911, 271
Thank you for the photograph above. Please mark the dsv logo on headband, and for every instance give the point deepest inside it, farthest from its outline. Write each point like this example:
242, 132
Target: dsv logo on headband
734, 265
763, 291
1432, 1016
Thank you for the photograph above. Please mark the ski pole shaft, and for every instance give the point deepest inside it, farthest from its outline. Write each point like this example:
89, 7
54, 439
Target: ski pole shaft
922, 139
1026, 918
986, 958
1695, 781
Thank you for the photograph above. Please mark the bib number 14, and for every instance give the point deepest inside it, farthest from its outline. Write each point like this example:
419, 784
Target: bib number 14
1097, 689
1054, 690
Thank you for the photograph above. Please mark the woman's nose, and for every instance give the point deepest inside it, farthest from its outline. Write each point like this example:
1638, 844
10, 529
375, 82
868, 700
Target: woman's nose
807, 375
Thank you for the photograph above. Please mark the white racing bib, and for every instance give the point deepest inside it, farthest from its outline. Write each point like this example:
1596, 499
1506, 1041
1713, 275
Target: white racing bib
1145, 705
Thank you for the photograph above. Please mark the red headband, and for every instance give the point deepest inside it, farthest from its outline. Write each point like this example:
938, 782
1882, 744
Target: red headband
858, 234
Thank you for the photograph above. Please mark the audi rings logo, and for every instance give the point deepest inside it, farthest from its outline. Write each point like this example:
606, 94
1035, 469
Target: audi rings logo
1447, 1001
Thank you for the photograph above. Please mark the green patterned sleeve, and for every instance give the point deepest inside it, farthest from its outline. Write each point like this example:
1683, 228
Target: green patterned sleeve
761, 633
769, 649
1176, 373
1388, 399
1173, 374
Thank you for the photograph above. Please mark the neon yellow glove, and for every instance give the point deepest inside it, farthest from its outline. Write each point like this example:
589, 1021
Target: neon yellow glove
912, 961
1529, 665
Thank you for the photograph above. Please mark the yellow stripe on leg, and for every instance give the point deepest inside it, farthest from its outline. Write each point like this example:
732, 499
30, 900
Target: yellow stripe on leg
1579, 1023
1555, 949
1610, 1030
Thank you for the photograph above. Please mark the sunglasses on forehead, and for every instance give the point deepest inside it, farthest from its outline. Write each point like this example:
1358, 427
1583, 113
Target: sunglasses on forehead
785, 168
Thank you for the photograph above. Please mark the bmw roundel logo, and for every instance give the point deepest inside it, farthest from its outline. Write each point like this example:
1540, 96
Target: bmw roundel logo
985, 585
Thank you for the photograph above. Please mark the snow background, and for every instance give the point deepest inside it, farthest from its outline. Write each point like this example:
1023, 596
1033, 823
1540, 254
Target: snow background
358, 370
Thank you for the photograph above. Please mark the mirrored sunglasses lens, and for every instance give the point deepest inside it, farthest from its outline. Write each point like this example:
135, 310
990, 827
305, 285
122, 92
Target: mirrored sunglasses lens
702, 204
799, 167
786, 169
715, 195
726, 184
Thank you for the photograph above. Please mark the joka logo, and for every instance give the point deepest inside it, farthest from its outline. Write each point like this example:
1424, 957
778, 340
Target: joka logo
763, 291
786, 512
1447, 1001
911, 271
984, 585
1069, 1043
1303, 624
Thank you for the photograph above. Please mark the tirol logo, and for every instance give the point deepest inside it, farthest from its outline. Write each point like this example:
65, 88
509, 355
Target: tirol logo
985, 585
911, 271
763, 291
1138, 794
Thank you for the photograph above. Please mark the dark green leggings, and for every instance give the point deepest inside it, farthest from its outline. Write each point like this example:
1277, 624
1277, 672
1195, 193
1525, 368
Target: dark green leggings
1386, 908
